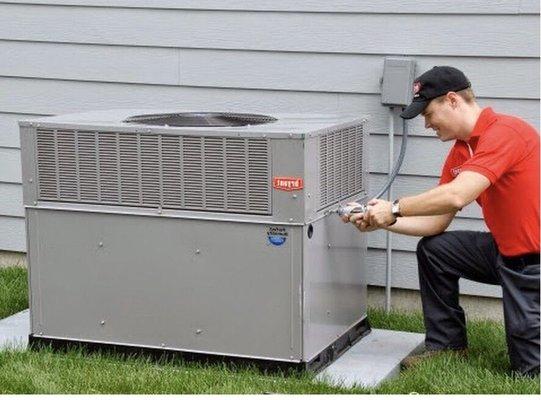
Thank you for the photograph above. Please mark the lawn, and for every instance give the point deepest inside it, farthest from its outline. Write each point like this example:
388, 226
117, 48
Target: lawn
484, 371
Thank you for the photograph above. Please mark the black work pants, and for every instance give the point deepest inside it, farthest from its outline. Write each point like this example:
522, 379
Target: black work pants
445, 258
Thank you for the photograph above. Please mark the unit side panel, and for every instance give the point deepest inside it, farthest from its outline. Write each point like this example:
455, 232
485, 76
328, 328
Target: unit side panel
334, 263
288, 162
312, 177
28, 164
193, 285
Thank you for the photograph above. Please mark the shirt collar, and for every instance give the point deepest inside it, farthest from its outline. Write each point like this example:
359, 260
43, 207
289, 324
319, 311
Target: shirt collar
486, 118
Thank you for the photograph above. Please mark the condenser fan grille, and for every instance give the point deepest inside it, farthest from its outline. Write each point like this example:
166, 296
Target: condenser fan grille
206, 119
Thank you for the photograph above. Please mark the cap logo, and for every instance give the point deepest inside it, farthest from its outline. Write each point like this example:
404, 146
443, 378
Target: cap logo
416, 88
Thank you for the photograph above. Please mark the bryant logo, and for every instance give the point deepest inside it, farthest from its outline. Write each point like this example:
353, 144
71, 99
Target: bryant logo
456, 171
416, 88
287, 183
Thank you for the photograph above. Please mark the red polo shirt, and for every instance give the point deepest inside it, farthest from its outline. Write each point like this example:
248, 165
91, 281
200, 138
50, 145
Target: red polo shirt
505, 149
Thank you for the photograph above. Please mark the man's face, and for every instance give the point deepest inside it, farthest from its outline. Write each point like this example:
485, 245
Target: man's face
442, 118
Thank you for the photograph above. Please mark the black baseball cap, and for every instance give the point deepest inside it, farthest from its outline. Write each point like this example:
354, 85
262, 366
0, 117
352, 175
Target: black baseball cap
434, 83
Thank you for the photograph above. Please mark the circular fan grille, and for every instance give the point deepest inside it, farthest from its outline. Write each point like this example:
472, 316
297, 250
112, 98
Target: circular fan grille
202, 119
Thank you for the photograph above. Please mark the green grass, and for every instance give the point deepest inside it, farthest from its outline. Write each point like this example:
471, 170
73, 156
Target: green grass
13, 291
484, 371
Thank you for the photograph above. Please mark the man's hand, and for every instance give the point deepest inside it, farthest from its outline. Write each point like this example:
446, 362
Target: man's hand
359, 220
380, 213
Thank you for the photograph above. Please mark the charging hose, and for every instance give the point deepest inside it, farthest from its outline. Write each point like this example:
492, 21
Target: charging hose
342, 210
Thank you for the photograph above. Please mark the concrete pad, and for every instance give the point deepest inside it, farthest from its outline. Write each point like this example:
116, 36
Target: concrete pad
14, 330
373, 359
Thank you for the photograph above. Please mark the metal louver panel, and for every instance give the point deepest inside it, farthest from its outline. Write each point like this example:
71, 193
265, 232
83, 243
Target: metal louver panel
341, 164
149, 170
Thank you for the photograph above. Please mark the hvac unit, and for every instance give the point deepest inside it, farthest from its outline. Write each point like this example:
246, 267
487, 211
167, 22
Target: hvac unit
203, 233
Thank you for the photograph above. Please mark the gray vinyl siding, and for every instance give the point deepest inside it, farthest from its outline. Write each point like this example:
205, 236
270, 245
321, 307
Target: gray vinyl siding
58, 56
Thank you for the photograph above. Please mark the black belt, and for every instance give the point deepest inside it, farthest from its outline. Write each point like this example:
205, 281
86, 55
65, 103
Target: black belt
521, 261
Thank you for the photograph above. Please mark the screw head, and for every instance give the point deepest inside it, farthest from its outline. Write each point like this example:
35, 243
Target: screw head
102, 323
294, 196
30, 180
197, 251
163, 344
290, 219
198, 331
329, 245
100, 244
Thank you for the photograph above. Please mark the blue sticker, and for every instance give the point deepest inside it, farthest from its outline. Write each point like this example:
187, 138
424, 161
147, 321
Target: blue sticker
277, 235
277, 240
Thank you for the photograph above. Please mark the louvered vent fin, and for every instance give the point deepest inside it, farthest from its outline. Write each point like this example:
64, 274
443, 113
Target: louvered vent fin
222, 174
341, 165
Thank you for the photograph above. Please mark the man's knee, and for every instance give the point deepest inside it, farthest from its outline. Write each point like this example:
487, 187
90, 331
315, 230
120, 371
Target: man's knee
429, 244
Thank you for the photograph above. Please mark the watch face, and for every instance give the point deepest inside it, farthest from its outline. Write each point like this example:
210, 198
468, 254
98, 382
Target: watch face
395, 209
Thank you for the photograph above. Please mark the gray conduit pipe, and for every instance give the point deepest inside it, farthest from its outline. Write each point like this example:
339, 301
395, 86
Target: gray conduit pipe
388, 188
388, 235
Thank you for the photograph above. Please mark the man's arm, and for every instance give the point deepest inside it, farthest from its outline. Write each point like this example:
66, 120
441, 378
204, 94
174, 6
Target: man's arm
413, 226
444, 199
422, 226
447, 198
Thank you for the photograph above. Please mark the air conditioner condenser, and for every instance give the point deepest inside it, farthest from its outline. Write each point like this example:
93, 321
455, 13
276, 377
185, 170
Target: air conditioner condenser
207, 234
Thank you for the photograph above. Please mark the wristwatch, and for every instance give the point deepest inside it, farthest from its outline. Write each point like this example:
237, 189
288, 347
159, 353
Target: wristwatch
395, 208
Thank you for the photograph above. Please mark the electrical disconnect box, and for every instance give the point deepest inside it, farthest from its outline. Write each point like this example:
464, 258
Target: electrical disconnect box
398, 75
202, 233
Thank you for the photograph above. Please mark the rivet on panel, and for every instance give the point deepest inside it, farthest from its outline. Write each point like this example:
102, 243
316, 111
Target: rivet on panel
30, 180
35, 203
198, 332
163, 344
309, 195
197, 251
290, 219
294, 196
290, 135
100, 244
102, 323
329, 245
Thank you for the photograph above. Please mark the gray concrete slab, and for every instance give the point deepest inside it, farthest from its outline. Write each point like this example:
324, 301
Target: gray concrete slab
373, 359
14, 330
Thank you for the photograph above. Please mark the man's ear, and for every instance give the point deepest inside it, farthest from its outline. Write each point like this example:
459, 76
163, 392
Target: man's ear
454, 99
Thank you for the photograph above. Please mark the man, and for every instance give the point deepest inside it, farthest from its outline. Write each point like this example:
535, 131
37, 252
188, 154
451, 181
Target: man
495, 160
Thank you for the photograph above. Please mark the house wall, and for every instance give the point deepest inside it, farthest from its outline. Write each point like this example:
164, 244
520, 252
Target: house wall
59, 56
